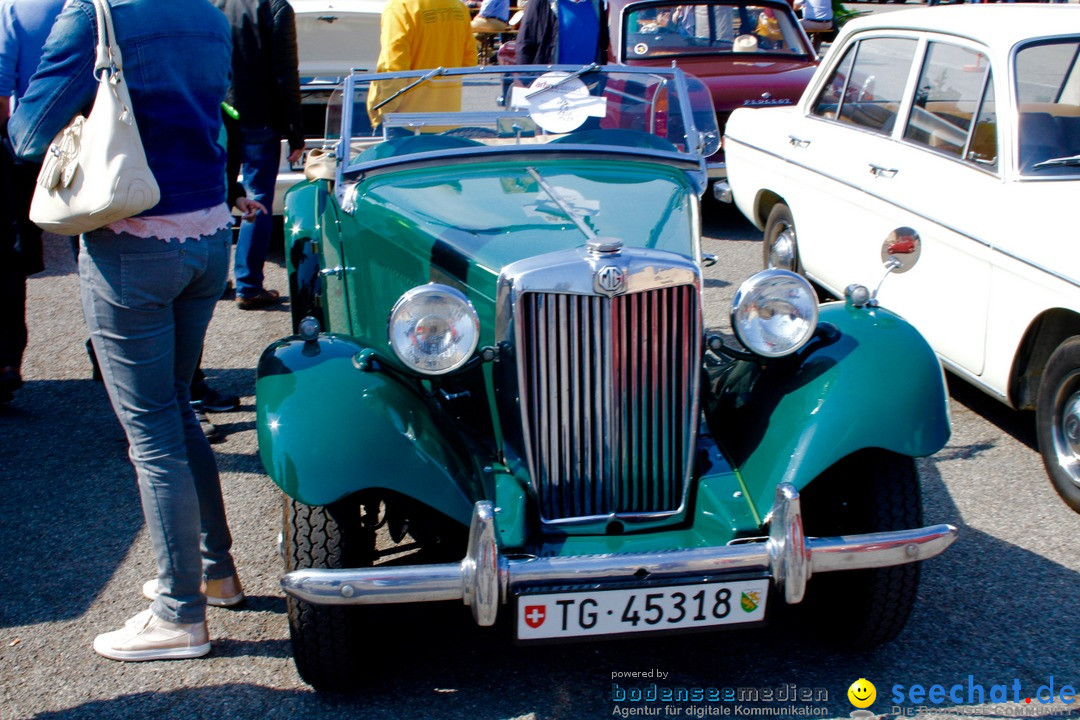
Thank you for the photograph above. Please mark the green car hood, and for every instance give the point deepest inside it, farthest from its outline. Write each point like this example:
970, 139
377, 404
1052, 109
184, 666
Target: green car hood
460, 224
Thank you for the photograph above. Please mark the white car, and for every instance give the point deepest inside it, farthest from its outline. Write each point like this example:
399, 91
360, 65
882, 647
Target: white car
944, 143
332, 38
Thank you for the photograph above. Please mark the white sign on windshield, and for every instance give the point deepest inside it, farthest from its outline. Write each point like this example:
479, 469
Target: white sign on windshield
558, 103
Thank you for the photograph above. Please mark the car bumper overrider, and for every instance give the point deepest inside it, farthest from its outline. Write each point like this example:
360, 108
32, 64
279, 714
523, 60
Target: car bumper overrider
487, 578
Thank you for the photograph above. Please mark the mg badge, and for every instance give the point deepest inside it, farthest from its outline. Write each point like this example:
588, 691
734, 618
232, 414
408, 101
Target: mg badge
610, 280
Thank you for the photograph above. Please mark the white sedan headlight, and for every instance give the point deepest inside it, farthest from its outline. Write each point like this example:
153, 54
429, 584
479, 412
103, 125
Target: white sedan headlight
775, 313
434, 329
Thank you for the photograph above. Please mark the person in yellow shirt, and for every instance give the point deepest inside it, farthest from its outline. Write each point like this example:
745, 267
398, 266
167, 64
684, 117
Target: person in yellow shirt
422, 35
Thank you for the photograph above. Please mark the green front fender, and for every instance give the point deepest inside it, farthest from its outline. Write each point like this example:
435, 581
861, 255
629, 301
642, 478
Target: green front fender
328, 429
876, 384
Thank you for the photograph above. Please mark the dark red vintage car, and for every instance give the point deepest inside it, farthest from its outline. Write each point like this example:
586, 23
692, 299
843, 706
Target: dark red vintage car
749, 53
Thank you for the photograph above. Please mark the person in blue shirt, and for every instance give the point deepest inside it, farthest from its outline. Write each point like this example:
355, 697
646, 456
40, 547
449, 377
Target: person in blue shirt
24, 25
571, 32
492, 17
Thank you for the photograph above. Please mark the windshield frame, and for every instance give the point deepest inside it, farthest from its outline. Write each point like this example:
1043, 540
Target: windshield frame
704, 140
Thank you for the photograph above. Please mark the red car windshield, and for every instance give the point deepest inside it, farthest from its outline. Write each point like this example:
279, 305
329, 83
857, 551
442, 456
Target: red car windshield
707, 29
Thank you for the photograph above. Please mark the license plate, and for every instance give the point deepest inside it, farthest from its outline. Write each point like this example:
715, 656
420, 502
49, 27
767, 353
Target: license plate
641, 609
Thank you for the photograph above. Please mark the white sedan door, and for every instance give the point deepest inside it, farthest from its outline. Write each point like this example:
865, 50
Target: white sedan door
940, 192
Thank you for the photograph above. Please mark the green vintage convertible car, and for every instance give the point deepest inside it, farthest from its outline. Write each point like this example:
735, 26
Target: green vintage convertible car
501, 391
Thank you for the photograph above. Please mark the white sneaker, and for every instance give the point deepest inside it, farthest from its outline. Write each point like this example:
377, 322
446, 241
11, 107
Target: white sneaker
148, 637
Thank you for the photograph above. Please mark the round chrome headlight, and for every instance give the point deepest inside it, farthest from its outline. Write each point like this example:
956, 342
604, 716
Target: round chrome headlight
434, 329
775, 313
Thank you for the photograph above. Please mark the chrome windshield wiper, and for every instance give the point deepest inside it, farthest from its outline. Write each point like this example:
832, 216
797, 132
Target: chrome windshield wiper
422, 79
1057, 162
591, 67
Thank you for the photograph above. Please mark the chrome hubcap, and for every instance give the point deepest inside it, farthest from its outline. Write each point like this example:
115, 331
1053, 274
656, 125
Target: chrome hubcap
1067, 430
782, 251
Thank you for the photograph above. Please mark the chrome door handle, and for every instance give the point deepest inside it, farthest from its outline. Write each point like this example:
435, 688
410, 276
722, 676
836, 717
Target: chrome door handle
336, 271
879, 171
798, 142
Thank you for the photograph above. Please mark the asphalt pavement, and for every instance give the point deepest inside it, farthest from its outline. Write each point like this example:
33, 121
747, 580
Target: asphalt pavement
1002, 604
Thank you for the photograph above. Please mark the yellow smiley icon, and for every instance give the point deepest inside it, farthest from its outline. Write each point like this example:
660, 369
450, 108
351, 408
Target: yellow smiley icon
862, 693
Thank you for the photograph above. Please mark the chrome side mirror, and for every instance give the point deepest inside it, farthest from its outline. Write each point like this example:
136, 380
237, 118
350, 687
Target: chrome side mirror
901, 250
899, 253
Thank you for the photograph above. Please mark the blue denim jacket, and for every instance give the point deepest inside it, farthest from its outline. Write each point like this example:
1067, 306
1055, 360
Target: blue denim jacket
177, 64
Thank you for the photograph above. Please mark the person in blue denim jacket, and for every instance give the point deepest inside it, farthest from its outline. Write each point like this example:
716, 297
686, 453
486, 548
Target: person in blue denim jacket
149, 285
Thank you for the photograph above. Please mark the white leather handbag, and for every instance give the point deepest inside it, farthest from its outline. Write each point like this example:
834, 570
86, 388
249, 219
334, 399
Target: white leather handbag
95, 171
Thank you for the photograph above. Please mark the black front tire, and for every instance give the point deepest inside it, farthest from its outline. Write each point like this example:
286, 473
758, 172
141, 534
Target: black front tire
339, 647
324, 637
1057, 420
870, 491
780, 248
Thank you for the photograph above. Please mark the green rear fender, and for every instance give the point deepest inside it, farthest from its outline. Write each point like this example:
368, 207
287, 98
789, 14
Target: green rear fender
876, 385
328, 429
305, 204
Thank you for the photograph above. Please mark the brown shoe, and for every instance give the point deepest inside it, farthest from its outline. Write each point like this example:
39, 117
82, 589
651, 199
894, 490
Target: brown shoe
262, 299
226, 592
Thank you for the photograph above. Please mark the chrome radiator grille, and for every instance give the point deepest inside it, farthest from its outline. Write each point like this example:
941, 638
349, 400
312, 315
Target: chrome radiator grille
609, 389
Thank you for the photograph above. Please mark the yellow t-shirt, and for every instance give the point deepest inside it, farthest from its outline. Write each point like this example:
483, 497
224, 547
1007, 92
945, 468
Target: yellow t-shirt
421, 35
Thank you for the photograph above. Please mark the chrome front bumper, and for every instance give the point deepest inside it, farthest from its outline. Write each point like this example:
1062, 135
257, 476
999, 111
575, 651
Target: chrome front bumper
485, 578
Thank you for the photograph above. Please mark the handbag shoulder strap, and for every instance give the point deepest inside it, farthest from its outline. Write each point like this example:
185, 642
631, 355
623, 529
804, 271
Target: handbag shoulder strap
108, 51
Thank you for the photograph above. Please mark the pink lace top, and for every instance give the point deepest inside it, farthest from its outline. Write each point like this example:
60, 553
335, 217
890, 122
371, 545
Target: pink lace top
181, 226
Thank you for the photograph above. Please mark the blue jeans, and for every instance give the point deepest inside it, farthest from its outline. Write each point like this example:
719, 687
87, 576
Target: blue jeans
147, 303
261, 154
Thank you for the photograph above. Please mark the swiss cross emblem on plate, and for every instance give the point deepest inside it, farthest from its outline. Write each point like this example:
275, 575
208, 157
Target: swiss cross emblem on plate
534, 615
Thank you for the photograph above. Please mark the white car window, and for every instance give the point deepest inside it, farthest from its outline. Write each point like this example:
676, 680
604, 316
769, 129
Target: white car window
1048, 96
983, 143
950, 100
867, 86
828, 102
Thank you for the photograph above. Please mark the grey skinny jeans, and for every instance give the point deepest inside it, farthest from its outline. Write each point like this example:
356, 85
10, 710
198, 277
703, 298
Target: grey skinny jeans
148, 303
